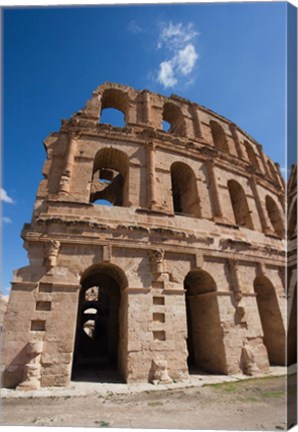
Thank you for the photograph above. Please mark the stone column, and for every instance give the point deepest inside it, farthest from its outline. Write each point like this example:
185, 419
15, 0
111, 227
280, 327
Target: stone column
151, 176
196, 121
147, 107
233, 129
214, 190
68, 167
263, 219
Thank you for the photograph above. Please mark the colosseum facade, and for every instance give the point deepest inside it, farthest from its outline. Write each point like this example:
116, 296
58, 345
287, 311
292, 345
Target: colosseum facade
183, 271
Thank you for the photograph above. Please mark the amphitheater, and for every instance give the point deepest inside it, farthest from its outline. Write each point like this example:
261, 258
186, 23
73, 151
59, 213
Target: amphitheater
184, 270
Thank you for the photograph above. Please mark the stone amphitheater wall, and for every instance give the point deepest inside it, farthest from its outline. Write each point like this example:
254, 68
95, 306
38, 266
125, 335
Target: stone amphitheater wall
190, 258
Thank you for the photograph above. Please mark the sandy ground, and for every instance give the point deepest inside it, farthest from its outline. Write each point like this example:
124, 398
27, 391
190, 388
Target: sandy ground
250, 404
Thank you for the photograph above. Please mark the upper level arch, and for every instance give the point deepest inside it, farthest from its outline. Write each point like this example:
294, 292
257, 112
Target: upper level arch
110, 177
219, 136
239, 203
172, 114
275, 216
184, 190
251, 154
116, 99
272, 170
292, 219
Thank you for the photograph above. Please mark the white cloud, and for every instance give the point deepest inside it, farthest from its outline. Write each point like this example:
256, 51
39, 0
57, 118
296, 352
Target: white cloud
166, 74
134, 27
5, 220
186, 59
176, 39
175, 36
4, 197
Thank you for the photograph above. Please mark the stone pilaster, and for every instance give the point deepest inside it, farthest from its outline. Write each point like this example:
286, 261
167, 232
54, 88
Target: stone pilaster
147, 107
218, 215
69, 163
196, 121
263, 219
152, 201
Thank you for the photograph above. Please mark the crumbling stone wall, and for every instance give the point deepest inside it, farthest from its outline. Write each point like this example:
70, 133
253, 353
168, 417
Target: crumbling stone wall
188, 260
292, 266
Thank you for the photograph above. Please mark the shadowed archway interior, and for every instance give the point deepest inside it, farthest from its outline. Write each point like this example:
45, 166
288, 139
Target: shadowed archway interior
205, 337
97, 334
271, 319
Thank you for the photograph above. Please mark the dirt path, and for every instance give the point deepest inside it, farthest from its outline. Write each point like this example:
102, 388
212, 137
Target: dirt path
256, 404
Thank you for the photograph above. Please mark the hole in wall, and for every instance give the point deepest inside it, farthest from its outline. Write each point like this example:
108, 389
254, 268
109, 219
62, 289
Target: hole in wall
112, 117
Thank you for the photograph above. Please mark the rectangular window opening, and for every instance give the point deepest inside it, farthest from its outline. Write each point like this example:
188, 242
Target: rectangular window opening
159, 317
159, 335
43, 306
158, 301
38, 325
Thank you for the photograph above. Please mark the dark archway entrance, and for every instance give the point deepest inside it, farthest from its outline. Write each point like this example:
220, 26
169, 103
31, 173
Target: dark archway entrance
292, 330
271, 319
205, 337
97, 335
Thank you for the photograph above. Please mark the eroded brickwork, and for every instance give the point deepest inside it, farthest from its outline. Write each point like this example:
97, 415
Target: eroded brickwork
183, 271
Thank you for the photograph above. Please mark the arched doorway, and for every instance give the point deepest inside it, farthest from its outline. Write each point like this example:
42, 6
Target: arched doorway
271, 320
204, 334
98, 328
292, 317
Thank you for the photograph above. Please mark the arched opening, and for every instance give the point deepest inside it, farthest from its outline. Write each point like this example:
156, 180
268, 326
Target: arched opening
275, 216
166, 127
173, 120
204, 333
271, 320
239, 203
97, 349
271, 169
184, 190
110, 178
292, 325
112, 117
292, 225
292, 328
219, 136
251, 155
114, 107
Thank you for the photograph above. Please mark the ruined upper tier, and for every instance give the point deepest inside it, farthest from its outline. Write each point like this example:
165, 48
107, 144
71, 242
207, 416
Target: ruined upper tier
148, 168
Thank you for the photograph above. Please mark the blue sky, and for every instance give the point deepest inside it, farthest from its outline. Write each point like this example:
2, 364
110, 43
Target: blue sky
227, 57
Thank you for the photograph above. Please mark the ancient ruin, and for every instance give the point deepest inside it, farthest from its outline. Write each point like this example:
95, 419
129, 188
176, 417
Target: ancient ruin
184, 270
